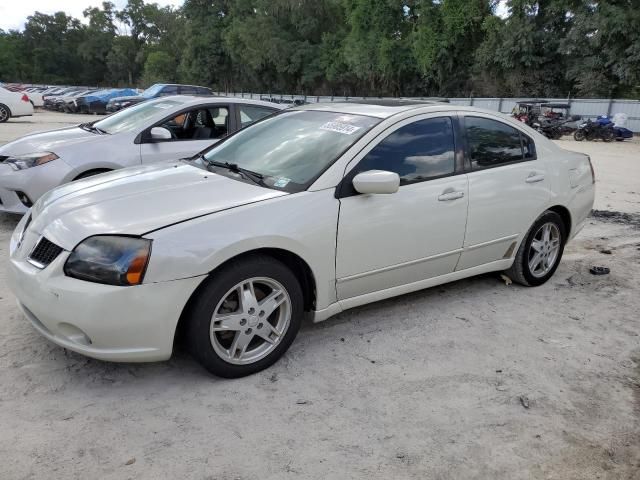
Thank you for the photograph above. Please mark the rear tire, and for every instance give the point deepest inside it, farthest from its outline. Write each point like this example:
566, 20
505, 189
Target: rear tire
245, 317
579, 136
5, 113
538, 256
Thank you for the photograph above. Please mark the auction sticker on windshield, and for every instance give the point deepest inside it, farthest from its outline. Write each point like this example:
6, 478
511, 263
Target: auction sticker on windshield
340, 127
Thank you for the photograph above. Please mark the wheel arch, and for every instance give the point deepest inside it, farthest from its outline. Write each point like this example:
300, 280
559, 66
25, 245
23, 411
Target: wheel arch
297, 264
90, 172
565, 214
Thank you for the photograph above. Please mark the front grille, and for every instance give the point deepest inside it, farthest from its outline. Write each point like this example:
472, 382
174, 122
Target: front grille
44, 253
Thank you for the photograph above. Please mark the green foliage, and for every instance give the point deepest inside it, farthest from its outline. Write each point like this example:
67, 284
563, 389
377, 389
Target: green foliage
341, 47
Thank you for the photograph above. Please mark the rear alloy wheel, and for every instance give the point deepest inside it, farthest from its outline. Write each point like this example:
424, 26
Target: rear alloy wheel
5, 113
246, 317
578, 135
540, 252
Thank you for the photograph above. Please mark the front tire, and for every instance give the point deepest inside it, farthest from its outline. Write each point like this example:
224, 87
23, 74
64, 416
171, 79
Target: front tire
245, 317
540, 252
579, 135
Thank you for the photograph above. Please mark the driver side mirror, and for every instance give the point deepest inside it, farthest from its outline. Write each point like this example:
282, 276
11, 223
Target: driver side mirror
376, 182
159, 134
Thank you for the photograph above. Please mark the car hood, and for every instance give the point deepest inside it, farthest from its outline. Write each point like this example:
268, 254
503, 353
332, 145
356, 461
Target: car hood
137, 200
55, 141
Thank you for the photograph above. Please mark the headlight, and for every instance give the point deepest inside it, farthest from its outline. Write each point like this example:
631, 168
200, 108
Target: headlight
28, 160
110, 259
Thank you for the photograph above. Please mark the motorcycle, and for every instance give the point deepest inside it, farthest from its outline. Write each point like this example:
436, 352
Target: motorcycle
592, 130
621, 133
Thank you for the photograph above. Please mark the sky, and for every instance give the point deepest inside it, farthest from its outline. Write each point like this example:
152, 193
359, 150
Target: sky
13, 13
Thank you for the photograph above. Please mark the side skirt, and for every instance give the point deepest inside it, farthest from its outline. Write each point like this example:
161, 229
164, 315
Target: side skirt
341, 305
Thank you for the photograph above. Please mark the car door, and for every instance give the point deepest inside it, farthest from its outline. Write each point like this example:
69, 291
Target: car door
508, 188
411, 235
192, 130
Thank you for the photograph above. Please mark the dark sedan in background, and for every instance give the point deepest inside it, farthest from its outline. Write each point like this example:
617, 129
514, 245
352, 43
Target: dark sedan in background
156, 91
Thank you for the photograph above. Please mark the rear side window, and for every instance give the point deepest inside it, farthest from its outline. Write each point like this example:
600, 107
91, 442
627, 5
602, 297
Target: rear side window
187, 90
492, 143
418, 151
251, 113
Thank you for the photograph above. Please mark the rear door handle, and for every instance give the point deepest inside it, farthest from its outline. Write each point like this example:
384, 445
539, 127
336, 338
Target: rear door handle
446, 196
533, 178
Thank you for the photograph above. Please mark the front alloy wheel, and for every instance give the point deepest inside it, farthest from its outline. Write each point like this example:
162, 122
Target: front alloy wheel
245, 316
250, 320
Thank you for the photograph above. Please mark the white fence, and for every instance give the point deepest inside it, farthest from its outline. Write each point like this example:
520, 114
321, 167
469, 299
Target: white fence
585, 107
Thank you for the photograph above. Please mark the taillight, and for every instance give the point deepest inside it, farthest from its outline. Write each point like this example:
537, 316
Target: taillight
593, 173
24, 97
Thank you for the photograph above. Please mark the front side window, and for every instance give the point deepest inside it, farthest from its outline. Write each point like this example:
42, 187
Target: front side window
169, 90
418, 151
292, 148
199, 124
250, 114
492, 143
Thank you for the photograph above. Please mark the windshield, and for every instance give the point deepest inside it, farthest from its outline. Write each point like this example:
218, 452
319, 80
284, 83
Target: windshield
292, 148
135, 117
152, 90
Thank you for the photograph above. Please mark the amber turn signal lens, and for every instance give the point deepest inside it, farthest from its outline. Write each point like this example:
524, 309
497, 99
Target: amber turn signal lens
137, 268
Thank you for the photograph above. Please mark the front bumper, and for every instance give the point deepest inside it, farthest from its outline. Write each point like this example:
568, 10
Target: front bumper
122, 324
33, 182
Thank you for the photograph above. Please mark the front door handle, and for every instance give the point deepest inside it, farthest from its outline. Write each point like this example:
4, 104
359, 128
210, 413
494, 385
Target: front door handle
534, 177
446, 196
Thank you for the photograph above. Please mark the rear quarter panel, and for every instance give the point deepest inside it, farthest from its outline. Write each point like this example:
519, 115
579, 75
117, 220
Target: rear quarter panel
572, 184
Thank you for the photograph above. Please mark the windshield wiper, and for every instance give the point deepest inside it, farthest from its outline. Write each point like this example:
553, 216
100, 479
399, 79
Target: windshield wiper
255, 177
90, 127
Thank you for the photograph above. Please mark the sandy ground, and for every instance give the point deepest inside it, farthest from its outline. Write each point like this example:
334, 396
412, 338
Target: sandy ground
471, 380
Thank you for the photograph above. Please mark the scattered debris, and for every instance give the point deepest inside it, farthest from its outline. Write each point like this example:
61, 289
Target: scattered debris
524, 400
617, 217
273, 378
501, 388
131, 461
342, 339
400, 455
606, 251
507, 280
303, 402
595, 270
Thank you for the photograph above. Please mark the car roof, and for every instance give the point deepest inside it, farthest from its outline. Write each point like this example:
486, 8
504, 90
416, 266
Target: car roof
188, 100
380, 108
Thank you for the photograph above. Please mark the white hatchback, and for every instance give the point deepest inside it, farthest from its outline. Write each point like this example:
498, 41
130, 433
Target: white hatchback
312, 211
164, 129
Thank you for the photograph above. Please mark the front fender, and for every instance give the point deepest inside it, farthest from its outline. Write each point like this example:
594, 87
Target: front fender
303, 224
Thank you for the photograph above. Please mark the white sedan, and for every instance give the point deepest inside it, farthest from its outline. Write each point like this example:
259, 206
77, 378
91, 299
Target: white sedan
309, 212
162, 129
14, 104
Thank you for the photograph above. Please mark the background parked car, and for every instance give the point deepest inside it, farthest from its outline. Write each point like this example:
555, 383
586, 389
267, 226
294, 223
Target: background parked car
155, 91
59, 103
96, 102
14, 104
161, 129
